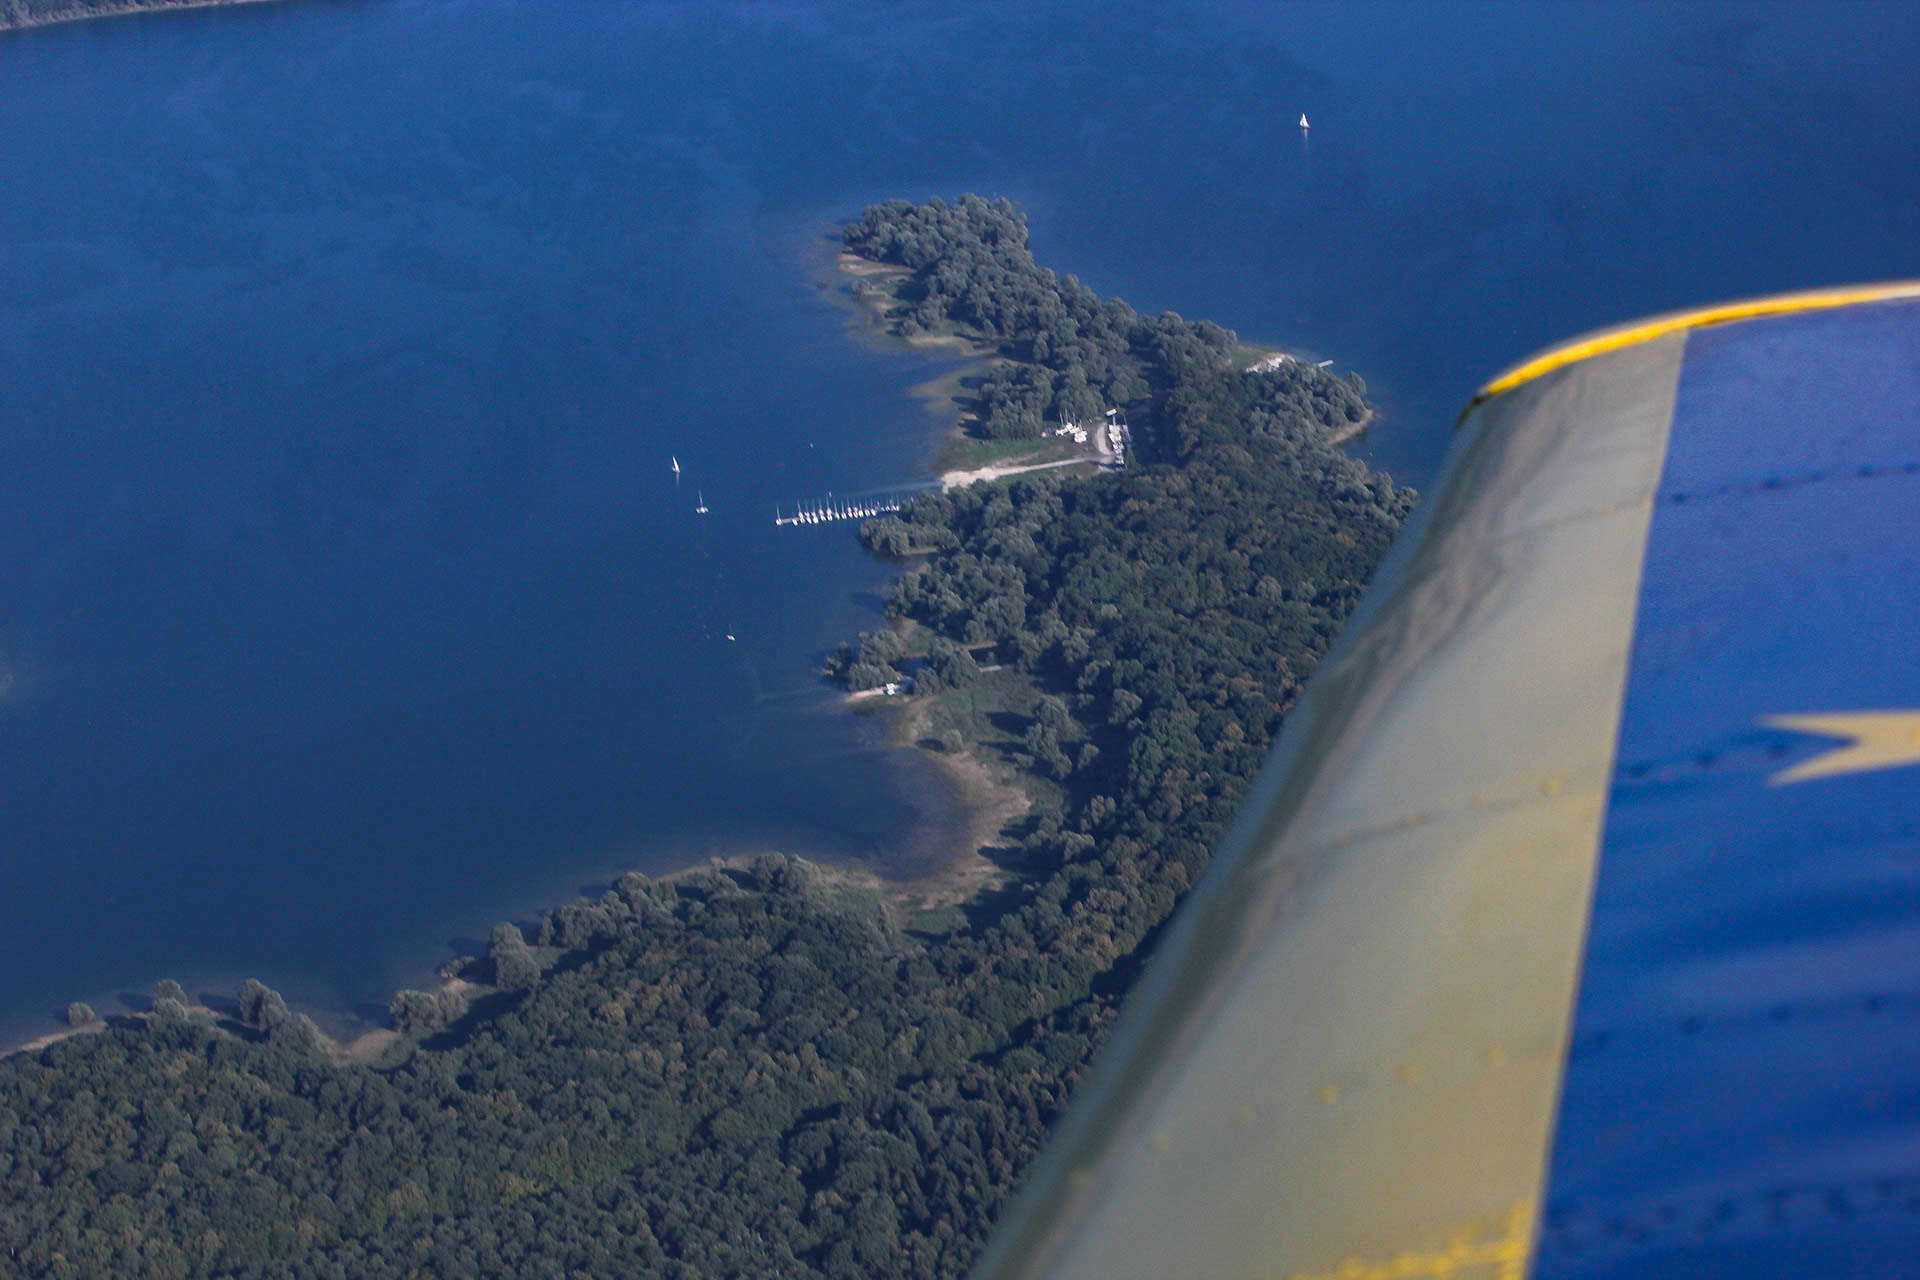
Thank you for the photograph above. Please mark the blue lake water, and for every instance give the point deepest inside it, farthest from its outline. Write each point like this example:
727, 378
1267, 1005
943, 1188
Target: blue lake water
347, 603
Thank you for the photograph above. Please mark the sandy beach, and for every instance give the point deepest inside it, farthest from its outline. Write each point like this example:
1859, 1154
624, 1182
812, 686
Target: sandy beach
992, 800
54, 1037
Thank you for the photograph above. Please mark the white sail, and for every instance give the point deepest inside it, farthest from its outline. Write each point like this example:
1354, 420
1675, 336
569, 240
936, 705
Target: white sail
702, 508
1303, 121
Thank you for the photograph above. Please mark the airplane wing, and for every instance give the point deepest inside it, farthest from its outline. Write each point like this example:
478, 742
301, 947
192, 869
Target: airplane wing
1573, 928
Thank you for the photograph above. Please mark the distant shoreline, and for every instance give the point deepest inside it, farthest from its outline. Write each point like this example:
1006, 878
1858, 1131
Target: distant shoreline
15, 19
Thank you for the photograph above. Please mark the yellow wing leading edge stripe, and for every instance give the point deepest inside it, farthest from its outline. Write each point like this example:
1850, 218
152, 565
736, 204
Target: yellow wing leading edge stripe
1289, 1092
1471, 1253
1345, 935
1639, 331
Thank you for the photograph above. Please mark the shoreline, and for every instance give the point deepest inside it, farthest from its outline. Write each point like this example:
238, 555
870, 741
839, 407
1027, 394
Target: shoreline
872, 307
363, 1047
941, 394
991, 802
55, 1037
1353, 430
984, 802
122, 10
1265, 358
988, 801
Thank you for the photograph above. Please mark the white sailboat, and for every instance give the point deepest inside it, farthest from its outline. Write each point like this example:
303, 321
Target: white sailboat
702, 508
676, 470
1303, 121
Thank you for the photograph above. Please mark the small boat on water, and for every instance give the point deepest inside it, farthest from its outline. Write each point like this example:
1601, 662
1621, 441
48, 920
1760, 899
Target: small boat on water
1303, 121
702, 508
676, 467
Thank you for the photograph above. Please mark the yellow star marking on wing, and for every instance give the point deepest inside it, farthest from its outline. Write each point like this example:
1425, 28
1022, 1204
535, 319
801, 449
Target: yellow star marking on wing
1874, 740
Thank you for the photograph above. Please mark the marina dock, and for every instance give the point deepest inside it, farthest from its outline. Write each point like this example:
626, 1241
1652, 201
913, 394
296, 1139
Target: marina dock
861, 507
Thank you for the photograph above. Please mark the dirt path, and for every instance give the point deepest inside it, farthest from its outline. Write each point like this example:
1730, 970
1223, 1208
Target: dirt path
960, 479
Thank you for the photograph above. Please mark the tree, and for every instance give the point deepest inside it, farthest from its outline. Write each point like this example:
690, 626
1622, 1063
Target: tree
777, 873
867, 675
424, 1012
1051, 712
1079, 404
79, 1014
297, 1035
951, 663
887, 535
168, 989
881, 648
260, 1005
514, 966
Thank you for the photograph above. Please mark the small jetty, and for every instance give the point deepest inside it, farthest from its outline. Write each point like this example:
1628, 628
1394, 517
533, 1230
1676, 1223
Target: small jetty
829, 509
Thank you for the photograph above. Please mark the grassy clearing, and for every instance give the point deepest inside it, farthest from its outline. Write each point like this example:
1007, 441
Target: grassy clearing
990, 716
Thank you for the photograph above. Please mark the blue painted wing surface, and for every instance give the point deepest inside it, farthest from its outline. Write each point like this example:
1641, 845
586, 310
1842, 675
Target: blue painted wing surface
1572, 929
1743, 1095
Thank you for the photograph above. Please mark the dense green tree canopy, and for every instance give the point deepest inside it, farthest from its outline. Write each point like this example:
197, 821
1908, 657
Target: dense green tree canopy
1071, 353
760, 1073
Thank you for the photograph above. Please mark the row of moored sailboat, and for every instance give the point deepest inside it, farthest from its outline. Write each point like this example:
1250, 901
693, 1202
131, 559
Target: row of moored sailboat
834, 509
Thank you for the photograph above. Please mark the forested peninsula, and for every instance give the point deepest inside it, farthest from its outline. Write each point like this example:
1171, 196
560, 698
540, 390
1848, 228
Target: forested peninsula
761, 1070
